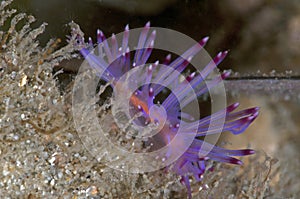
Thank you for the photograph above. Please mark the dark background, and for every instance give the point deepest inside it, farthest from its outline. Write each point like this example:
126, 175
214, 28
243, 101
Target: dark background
260, 34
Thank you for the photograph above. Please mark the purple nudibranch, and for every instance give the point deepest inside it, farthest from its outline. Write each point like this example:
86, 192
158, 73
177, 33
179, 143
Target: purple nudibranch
118, 62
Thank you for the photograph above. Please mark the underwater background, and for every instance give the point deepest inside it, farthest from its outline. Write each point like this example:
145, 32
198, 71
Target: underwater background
43, 157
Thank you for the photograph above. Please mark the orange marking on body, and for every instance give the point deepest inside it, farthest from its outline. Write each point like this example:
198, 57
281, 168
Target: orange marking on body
136, 101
